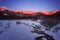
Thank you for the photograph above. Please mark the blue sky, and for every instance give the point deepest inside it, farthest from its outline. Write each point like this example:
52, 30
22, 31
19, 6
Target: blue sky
37, 5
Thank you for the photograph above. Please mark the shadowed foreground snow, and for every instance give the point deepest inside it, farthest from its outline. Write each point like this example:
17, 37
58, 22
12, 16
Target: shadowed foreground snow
29, 29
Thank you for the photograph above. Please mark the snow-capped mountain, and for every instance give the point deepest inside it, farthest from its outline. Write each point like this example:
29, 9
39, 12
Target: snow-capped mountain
6, 13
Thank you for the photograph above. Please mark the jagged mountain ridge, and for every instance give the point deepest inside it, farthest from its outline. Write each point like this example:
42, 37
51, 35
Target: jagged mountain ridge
18, 14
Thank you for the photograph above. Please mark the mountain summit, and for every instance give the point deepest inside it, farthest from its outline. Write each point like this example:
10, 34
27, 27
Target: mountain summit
6, 13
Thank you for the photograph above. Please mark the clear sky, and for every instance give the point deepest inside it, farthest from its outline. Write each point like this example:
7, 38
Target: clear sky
37, 5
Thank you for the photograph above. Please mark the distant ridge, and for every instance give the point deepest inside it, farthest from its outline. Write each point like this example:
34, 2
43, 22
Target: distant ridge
6, 13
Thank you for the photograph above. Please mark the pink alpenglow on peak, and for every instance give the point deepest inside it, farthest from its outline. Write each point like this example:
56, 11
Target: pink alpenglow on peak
25, 11
49, 13
33, 12
3, 8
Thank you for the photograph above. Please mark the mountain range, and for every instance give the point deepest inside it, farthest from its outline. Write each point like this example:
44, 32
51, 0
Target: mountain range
6, 13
